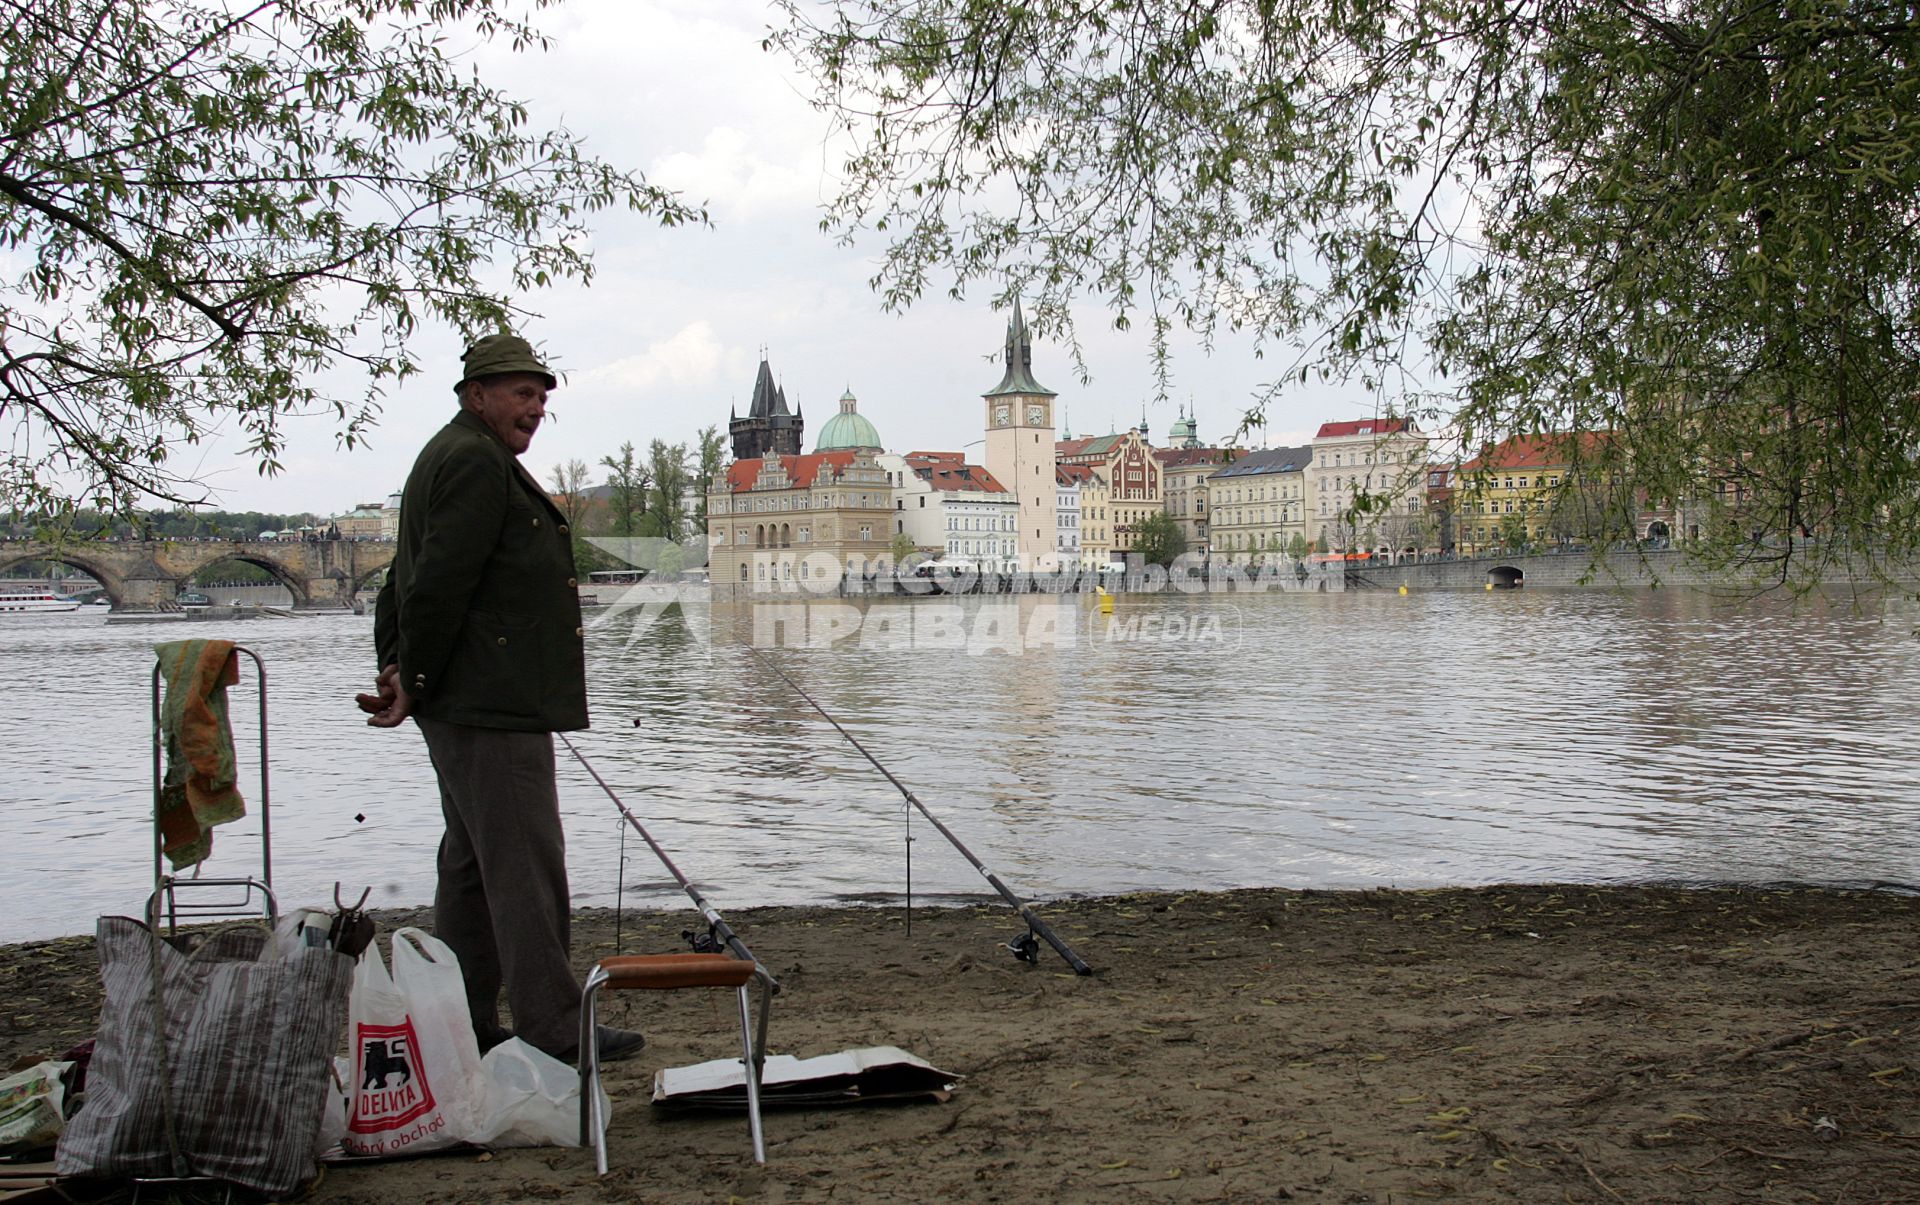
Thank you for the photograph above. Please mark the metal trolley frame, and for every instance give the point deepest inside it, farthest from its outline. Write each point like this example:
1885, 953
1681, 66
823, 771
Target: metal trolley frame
248, 895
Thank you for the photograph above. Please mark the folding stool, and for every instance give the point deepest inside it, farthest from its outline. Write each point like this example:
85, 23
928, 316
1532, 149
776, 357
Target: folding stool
669, 972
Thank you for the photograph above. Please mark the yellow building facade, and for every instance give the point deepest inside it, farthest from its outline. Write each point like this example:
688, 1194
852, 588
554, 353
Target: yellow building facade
1258, 504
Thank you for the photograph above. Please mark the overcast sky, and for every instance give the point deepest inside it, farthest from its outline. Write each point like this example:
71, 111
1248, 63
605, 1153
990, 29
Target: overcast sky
668, 335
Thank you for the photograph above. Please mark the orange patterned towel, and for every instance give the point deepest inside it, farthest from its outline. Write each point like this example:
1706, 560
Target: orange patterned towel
198, 791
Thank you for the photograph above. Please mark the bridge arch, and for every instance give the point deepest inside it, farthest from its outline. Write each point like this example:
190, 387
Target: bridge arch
94, 567
1506, 577
296, 585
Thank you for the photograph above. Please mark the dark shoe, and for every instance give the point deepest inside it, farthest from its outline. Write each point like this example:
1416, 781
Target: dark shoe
616, 1044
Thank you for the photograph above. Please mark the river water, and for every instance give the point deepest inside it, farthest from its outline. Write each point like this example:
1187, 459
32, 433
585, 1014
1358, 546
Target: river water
1323, 740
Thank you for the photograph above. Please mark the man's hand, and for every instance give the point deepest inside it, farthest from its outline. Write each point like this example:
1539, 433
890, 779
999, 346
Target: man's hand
391, 705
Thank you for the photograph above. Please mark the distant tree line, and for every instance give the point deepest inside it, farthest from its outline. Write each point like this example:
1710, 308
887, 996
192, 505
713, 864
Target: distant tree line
641, 495
86, 523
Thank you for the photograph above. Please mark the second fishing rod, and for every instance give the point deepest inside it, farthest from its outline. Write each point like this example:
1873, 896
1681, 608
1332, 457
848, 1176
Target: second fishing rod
1035, 926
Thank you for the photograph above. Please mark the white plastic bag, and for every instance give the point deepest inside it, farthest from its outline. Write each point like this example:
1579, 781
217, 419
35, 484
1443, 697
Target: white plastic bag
333, 1122
533, 1099
300, 929
417, 1083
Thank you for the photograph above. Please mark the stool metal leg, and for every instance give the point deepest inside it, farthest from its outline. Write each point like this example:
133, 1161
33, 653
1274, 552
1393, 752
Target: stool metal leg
593, 1127
766, 1010
752, 1064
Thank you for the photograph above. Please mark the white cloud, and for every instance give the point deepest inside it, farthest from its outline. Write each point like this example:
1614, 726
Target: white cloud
735, 180
692, 357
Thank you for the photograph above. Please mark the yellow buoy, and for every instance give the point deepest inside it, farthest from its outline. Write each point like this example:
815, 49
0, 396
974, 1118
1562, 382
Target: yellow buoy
1489, 585
1403, 589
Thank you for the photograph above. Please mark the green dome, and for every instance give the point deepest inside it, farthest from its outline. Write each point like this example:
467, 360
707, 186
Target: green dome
847, 429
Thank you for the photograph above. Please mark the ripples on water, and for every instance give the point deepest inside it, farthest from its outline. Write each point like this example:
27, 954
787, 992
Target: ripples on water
1344, 740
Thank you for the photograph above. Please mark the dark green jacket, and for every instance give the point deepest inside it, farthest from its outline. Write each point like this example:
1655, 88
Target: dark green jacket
481, 610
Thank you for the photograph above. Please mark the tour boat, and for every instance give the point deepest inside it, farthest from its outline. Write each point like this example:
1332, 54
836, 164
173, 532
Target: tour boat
37, 602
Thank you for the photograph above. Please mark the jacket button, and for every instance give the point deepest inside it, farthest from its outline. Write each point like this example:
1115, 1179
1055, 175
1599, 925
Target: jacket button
419, 679
579, 631
573, 581
501, 641
563, 529
536, 522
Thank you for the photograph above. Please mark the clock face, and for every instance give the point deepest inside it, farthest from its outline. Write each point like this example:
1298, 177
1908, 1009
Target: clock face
1036, 415
1002, 415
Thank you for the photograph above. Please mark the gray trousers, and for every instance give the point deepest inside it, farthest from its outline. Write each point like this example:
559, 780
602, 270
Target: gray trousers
501, 903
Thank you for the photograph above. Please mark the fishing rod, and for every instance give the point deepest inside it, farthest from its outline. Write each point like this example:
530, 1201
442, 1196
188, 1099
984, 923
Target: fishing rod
1024, 949
716, 924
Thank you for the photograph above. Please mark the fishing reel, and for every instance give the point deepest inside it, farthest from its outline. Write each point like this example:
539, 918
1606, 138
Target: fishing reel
703, 943
1025, 947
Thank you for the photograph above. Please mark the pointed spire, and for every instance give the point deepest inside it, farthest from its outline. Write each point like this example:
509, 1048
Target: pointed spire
1018, 357
763, 392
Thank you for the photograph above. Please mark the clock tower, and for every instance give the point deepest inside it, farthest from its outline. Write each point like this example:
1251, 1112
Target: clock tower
1020, 447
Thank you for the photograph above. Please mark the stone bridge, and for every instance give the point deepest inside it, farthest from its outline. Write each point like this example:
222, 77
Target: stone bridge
141, 575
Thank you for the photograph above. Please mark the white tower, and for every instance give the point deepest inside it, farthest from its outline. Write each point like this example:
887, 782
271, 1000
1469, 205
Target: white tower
1020, 446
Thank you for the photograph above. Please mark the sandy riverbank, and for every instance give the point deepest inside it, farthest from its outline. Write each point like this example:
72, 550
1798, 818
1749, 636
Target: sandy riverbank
1524, 1044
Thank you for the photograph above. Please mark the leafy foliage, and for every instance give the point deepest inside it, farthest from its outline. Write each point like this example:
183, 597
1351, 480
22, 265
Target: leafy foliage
1692, 225
209, 210
1158, 539
900, 547
668, 482
710, 456
627, 486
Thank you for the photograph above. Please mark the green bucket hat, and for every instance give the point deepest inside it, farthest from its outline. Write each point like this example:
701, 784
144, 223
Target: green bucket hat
492, 355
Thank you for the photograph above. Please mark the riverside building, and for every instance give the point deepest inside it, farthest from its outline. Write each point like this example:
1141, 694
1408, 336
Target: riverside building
786, 522
956, 512
1124, 461
1258, 505
1379, 458
1185, 470
1092, 497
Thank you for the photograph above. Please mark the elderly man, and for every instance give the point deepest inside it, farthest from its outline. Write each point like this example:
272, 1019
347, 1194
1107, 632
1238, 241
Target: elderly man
479, 639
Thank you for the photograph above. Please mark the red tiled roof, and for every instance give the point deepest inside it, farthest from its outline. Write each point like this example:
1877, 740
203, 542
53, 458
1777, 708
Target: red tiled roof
1532, 451
801, 470
950, 475
920, 460
1363, 426
1075, 474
